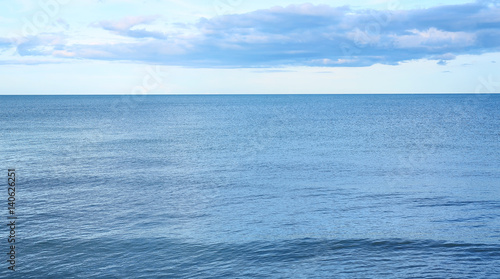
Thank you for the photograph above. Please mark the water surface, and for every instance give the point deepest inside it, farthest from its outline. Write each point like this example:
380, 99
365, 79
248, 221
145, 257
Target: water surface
272, 186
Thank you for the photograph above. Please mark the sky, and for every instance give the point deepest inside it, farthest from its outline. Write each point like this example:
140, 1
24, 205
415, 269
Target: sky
249, 47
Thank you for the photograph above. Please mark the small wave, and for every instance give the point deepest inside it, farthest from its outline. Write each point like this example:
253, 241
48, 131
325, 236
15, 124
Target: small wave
312, 258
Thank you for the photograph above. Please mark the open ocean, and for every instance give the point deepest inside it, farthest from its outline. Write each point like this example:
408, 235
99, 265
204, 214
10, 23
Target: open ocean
267, 186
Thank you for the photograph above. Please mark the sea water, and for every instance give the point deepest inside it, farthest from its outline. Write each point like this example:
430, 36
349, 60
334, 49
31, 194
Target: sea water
262, 186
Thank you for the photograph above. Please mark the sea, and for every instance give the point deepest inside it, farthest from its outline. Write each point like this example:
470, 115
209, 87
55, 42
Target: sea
252, 186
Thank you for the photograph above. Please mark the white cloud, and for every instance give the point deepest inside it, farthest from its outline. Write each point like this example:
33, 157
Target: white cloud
126, 23
434, 38
292, 35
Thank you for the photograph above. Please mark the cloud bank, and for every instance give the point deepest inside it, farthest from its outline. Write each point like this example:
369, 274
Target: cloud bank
297, 35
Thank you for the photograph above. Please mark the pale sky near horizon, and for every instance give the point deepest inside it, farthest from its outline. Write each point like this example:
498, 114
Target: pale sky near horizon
252, 47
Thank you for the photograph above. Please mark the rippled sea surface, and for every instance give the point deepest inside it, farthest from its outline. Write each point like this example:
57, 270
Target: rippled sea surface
323, 186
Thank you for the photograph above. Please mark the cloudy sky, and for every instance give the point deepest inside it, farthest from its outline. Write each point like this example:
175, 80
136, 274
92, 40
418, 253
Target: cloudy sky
243, 46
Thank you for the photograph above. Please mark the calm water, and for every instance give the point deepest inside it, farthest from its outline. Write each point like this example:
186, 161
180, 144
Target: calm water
340, 186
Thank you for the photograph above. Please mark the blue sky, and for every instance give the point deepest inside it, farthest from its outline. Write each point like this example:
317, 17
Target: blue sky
242, 46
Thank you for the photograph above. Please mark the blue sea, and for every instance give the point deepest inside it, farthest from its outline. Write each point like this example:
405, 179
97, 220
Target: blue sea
253, 186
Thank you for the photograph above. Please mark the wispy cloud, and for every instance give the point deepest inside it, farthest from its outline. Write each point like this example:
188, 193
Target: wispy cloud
296, 35
5, 43
127, 27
